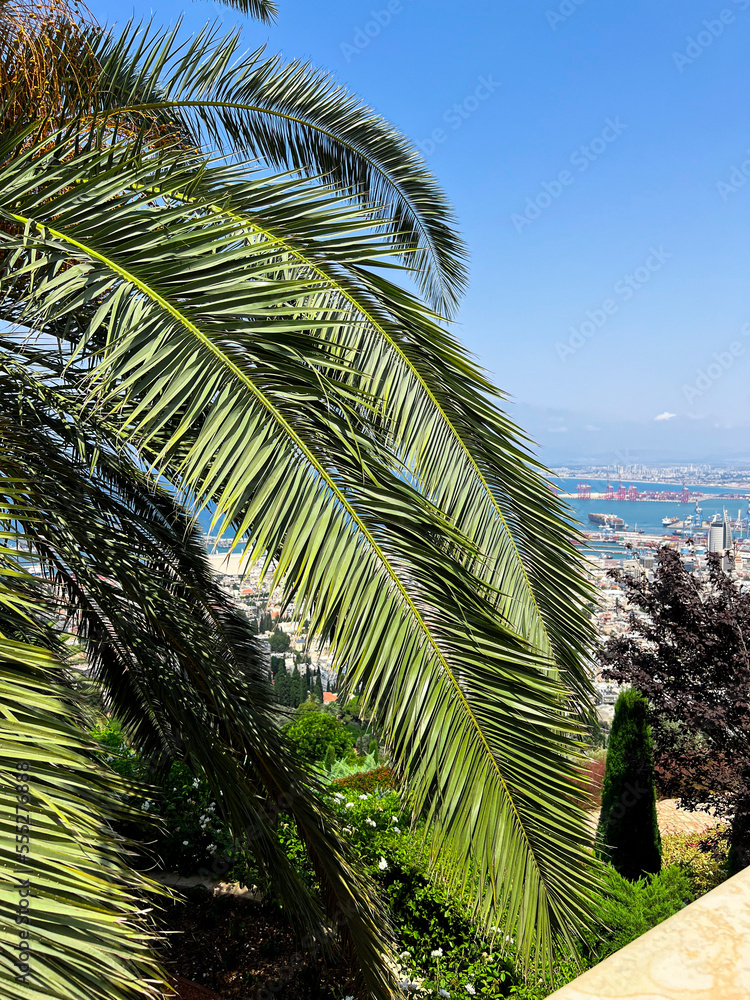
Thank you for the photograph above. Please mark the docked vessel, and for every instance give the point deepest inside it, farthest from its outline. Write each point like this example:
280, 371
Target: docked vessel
669, 521
608, 520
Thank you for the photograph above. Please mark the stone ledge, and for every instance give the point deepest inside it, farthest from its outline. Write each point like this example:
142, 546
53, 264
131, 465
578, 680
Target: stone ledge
700, 953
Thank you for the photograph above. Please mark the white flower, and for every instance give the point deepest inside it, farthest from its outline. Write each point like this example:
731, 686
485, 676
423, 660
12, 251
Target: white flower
349, 805
349, 998
211, 848
371, 822
470, 989
437, 953
147, 806
382, 865
185, 843
195, 782
444, 993
405, 954
396, 830
364, 798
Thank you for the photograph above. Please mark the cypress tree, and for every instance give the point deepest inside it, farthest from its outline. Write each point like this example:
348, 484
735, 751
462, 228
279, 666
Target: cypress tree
330, 758
283, 687
299, 691
628, 834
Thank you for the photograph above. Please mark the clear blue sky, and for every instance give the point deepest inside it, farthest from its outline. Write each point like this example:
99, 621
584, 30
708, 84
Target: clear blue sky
555, 74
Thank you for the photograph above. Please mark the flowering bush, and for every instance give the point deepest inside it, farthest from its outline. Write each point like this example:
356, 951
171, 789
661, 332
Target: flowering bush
442, 953
188, 834
368, 781
702, 858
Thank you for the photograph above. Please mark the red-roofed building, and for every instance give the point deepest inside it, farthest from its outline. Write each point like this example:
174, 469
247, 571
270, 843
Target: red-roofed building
328, 697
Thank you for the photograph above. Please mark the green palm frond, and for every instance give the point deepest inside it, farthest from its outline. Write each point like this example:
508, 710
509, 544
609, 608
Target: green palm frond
217, 348
436, 410
291, 116
177, 663
74, 921
264, 10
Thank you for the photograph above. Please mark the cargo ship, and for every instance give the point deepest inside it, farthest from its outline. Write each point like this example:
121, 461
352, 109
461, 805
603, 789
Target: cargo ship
669, 521
608, 520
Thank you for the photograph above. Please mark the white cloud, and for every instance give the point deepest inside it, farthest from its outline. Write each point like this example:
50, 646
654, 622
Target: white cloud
558, 430
590, 427
665, 416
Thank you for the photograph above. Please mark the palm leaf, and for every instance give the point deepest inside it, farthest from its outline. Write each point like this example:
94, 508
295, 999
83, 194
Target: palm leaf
88, 930
178, 664
292, 116
264, 10
216, 363
436, 410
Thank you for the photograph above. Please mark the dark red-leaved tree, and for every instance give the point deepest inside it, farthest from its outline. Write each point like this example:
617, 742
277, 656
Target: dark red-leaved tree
687, 650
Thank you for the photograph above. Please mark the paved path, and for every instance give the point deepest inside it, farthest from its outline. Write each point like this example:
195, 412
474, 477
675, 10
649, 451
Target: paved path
673, 820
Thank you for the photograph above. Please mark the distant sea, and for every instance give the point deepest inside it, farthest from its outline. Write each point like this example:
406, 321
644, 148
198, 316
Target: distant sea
646, 514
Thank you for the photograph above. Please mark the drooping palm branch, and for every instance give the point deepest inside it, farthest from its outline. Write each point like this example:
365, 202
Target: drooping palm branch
73, 917
222, 371
208, 92
239, 331
176, 663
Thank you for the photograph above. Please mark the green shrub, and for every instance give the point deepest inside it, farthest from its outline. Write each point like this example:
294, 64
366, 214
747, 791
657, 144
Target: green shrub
330, 758
626, 910
313, 732
703, 858
630, 908
628, 829
181, 826
116, 752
